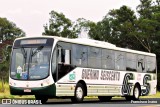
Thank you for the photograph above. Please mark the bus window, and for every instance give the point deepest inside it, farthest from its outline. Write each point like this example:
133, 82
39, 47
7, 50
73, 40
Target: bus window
39, 63
19, 59
64, 56
141, 63
64, 59
120, 61
94, 57
131, 63
107, 59
150, 64
79, 55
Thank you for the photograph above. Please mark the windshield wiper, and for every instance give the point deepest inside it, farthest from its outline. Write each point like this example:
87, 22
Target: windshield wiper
37, 50
23, 52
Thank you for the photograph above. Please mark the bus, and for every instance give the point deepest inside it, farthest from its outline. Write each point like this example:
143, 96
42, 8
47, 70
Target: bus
56, 67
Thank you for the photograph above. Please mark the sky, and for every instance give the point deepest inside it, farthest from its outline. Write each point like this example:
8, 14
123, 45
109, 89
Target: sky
31, 15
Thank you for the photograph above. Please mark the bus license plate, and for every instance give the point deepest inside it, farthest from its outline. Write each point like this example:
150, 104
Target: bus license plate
27, 90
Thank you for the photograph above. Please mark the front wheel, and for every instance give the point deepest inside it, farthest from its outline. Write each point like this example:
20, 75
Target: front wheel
42, 98
104, 98
78, 94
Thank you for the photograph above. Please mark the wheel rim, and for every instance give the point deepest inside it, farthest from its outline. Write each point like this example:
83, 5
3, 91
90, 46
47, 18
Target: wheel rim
136, 92
79, 92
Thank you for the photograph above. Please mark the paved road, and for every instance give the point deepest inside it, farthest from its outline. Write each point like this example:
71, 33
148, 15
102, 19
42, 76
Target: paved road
95, 103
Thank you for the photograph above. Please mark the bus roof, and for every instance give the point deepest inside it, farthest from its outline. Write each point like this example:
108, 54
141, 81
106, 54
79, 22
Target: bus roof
91, 42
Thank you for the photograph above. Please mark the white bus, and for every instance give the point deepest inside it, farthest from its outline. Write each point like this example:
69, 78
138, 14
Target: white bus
55, 67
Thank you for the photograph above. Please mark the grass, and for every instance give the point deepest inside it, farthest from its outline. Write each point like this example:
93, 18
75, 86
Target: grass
6, 94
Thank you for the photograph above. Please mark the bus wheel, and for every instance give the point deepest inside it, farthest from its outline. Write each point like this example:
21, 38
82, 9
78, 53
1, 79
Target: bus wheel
78, 94
104, 98
42, 98
136, 92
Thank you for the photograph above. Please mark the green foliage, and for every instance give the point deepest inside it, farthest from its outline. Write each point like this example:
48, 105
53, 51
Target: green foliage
9, 30
117, 27
101, 31
4, 65
59, 25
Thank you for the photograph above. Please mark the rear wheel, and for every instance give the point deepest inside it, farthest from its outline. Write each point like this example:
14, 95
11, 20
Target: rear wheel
78, 94
136, 94
104, 98
42, 98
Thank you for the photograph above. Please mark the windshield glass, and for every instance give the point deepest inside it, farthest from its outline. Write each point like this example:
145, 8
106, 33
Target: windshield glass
30, 63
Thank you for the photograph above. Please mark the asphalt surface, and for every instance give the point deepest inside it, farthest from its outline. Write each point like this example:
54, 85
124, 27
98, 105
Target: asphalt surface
93, 103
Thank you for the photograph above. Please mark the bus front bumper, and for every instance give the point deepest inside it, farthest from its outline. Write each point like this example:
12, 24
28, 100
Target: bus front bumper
47, 90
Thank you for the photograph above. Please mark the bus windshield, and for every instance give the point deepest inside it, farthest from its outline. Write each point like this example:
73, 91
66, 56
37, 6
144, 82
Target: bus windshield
30, 63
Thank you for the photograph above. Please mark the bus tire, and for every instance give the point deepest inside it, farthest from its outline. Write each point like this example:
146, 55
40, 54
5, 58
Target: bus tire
136, 92
104, 98
42, 98
78, 93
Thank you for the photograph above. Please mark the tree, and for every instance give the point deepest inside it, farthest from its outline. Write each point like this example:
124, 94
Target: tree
145, 9
145, 32
59, 25
123, 26
4, 65
9, 30
116, 27
101, 30
82, 25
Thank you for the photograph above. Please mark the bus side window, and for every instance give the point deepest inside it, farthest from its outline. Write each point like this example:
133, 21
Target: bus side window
67, 58
150, 64
64, 56
131, 61
64, 59
141, 67
79, 55
120, 61
94, 57
107, 59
